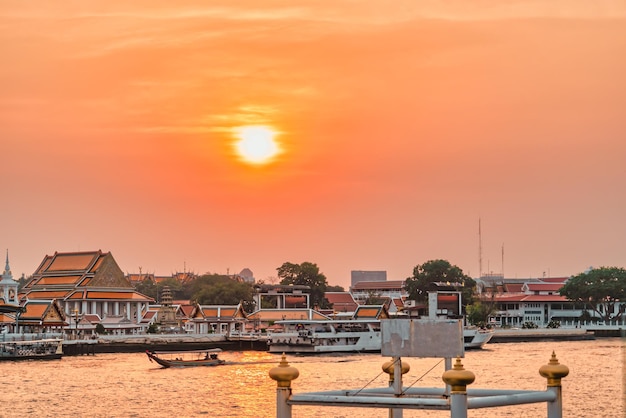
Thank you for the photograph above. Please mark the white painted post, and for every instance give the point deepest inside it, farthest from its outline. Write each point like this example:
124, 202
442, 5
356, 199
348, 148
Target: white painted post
397, 386
554, 372
283, 374
458, 378
555, 408
458, 405
283, 409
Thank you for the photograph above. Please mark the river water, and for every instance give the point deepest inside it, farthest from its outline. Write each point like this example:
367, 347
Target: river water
129, 385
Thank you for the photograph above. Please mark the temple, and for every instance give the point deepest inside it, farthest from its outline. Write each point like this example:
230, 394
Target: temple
84, 285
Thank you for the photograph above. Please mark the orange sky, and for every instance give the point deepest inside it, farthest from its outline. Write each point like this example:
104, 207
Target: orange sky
401, 122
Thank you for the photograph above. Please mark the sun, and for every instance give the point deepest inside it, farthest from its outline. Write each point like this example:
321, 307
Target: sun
257, 144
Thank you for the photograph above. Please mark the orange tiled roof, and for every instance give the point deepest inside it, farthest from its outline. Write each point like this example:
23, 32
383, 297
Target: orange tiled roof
365, 312
78, 295
45, 263
47, 294
187, 310
72, 261
58, 280
210, 312
85, 282
219, 311
514, 287
34, 310
6, 318
545, 287
148, 316
96, 265
93, 318
228, 311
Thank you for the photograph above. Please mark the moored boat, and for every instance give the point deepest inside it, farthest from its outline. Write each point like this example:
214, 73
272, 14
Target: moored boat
476, 337
43, 349
350, 335
192, 358
326, 336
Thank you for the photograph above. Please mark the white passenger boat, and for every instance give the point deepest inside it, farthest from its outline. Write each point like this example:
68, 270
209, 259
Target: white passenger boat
350, 335
43, 349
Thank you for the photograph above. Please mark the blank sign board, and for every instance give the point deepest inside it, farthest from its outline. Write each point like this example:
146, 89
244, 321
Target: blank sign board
422, 338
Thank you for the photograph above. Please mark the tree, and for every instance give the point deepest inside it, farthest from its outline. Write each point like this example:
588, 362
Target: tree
599, 289
478, 313
215, 289
337, 288
23, 281
305, 274
147, 287
434, 273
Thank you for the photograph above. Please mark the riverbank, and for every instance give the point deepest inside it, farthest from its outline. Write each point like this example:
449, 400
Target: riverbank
541, 334
158, 342
141, 343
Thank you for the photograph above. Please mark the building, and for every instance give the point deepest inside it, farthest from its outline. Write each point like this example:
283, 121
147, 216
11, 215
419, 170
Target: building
217, 319
537, 302
245, 276
88, 283
392, 289
357, 276
8, 286
281, 296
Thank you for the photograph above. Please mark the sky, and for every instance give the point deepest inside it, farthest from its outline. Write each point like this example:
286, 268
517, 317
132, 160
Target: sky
401, 125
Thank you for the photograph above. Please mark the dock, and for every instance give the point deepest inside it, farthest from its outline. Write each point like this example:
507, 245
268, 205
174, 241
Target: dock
541, 334
160, 342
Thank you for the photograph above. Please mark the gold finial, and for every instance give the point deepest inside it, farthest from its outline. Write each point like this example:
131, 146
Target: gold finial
554, 371
388, 367
458, 378
283, 374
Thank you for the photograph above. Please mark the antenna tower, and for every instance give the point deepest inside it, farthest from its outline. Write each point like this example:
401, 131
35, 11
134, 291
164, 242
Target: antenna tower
480, 252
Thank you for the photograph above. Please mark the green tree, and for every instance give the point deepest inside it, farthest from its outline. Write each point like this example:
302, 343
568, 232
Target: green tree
478, 313
335, 288
176, 287
599, 289
216, 289
434, 273
305, 274
147, 287
23, 281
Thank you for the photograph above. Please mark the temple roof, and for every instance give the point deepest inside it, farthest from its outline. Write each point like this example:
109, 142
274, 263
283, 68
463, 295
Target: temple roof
87, 275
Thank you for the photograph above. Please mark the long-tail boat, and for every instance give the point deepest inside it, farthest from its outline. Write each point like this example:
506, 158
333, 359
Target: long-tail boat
191, 358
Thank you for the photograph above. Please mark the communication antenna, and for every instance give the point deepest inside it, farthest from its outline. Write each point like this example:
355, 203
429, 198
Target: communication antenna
503, 260
480, 252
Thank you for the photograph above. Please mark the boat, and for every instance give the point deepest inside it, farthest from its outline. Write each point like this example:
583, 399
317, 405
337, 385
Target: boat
349, 335
476, 337
190, 358
42, 349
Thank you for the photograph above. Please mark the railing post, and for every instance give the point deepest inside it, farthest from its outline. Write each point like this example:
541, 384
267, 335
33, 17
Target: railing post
458, 378
554, 372
283, 374
395, 381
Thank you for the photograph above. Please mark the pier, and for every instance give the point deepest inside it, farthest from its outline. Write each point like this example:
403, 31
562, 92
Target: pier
155, 342
422, 339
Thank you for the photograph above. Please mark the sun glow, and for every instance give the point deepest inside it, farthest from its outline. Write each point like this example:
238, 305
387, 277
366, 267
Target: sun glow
257, 144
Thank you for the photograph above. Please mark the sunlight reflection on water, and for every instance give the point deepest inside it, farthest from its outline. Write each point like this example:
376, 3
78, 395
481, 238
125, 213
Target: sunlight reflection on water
128, 385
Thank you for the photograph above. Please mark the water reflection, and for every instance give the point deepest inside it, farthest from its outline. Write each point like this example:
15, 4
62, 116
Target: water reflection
128, 385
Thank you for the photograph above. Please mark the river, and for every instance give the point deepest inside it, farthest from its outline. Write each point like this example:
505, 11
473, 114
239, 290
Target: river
129, 385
